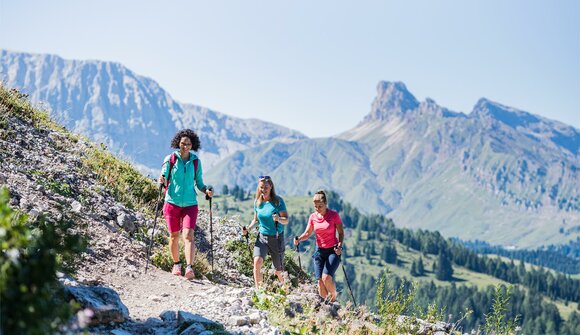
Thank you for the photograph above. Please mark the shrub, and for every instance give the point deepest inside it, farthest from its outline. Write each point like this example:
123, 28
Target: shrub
32, 253
496, 322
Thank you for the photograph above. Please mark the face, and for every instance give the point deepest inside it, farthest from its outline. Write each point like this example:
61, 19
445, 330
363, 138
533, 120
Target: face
185, 144
265, 187
319, 207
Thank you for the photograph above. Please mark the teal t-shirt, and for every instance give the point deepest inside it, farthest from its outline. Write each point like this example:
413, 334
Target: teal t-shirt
264, 213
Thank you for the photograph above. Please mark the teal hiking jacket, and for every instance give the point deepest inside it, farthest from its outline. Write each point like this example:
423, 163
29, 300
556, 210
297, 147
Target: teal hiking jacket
181, 191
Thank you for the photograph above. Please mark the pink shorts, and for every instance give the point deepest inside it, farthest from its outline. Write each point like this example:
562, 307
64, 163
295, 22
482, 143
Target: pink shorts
180, 217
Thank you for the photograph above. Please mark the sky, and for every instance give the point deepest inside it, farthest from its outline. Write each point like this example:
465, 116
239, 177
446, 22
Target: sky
314, 66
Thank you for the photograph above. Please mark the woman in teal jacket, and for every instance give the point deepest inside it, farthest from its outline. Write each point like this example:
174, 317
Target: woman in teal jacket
181, 172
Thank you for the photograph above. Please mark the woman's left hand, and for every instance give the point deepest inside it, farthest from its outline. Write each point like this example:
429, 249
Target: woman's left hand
338, 250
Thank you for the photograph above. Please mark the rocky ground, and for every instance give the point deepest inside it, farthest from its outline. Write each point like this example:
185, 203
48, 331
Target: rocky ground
117, 296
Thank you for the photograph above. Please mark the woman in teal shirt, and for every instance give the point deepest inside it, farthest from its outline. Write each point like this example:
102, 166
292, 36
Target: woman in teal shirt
270, 211
183, 169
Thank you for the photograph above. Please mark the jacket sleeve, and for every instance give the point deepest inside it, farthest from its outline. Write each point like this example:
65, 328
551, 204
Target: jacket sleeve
198, 177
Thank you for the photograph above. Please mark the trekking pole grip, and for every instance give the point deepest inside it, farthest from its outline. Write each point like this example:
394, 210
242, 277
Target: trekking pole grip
207, 197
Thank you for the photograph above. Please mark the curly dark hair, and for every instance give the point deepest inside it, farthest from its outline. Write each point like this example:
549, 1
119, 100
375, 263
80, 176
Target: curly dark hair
195, 144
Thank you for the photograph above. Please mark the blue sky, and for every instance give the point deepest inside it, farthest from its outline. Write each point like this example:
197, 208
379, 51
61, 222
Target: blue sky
314, 65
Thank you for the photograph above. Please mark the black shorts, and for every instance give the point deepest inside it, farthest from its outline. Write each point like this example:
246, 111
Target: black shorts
325, 261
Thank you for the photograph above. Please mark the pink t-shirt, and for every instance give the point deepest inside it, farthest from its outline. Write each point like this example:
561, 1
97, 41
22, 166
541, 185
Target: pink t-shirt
325, 228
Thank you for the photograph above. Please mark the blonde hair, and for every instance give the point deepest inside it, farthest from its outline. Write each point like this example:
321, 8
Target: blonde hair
260, 197
320, 196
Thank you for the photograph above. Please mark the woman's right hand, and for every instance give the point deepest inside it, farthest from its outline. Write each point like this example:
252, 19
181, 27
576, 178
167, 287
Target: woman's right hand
244, 231
296, 241
162, 180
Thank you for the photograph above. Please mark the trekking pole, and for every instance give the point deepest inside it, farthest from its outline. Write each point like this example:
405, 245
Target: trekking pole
298, 252
154, 224
348, 283
207, 197
247, 236
280, 247
244, 228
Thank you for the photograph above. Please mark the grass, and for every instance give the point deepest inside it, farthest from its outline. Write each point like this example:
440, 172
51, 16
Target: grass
126, 184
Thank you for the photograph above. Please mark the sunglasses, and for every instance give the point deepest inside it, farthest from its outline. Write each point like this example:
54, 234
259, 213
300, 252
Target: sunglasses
263, 177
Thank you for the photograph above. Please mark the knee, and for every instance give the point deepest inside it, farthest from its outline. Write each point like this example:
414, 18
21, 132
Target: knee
174, 236
188, 235
326, 277
258, 261
320, 282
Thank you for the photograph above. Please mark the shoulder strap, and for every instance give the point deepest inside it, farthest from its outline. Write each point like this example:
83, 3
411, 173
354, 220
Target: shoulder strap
172, 161
194, 168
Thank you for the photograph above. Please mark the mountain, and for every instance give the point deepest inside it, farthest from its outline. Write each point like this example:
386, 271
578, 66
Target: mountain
70, 190
130, 114
498, 174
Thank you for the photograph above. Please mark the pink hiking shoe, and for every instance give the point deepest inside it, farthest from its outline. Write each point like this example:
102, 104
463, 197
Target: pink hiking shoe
176, 269
189, 273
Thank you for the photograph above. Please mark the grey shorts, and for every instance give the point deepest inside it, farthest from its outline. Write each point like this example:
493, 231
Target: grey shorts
270, 245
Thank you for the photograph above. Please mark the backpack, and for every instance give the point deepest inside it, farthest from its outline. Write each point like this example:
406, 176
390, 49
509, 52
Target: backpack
172, 161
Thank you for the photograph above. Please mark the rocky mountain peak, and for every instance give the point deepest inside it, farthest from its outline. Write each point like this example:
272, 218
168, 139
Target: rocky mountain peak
392, 98
487, 109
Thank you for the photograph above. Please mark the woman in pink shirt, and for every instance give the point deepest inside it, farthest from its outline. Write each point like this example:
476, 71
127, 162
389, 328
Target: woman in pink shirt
325, 223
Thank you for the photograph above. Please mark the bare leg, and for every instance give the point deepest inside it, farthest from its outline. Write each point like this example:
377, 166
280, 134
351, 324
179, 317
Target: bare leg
330, 287
174, 246
322, 289
188, 245
280, 275
258, 262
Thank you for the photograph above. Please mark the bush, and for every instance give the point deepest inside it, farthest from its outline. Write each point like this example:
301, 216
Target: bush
496, 322
32, 253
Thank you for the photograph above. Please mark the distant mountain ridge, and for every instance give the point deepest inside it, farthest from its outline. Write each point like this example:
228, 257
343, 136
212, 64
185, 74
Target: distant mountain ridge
129, 113
497, 174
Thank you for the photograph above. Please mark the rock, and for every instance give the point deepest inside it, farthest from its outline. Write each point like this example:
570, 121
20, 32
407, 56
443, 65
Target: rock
127, 222
120, 332
104, 302
239, 320
186, 318
168, 316
194, 329
289, 312
76, 206
255, 318
154, 298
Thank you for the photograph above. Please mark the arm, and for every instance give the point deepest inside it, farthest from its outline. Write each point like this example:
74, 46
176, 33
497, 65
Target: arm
282, 214
252, 224
306, 234
340, 230
282, 217
164, 172
254, 220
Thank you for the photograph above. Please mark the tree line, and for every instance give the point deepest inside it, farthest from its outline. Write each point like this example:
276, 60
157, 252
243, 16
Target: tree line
564, 258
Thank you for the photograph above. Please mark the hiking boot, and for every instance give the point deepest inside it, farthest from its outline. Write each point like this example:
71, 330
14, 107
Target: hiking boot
189, 273
176, 269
